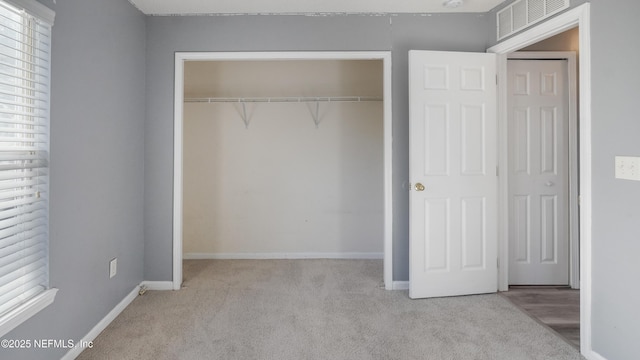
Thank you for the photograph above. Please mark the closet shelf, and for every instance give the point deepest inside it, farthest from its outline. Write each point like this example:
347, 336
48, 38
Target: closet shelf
284, 99
315, 111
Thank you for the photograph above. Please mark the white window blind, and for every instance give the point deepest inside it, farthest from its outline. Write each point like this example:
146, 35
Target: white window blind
24, 157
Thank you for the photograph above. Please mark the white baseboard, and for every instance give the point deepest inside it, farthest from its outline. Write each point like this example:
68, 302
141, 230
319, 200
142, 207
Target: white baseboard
157, 285
93, 333
400, 285
592, 355
274, 256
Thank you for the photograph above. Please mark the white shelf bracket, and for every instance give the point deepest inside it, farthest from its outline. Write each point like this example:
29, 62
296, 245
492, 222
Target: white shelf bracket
245, 119
243, 113
316, 117
315, 113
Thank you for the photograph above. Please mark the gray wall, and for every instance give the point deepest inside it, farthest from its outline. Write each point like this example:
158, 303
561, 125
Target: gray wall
616, 205
97, 135
398, 33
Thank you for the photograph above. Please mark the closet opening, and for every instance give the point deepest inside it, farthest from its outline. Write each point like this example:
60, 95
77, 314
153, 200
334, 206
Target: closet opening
282, 156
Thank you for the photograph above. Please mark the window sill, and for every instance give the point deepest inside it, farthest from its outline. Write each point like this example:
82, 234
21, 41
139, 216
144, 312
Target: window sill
23, 312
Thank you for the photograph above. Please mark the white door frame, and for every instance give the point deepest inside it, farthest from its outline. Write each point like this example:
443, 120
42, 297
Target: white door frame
574, 246
576, 17
181, 57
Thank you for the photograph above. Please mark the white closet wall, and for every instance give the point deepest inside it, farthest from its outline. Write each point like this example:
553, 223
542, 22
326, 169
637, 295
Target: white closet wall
282, 187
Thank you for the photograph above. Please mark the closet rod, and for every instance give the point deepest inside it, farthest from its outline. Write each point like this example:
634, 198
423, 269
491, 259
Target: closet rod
284, 99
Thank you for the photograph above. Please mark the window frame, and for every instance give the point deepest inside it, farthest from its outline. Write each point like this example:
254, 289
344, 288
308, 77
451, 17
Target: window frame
16, 316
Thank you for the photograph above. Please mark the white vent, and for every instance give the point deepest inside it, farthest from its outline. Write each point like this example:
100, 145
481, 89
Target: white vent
535, 9
519, 14
504, 18
556, 5
522, 13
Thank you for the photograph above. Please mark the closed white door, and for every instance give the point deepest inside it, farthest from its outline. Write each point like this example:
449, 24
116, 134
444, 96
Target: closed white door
453, 200
538, 172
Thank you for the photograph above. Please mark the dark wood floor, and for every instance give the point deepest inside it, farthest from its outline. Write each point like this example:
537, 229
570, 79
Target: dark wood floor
556, 307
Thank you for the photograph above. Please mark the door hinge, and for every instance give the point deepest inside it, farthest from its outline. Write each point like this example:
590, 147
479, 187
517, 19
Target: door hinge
579, 200
498, 263
497, 171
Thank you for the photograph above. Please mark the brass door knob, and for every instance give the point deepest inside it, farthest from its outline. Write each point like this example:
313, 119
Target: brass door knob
419, 187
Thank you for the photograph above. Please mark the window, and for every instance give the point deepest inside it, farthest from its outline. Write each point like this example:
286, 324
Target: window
24, 162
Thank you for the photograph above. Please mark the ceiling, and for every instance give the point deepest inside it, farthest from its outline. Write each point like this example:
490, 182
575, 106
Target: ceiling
193, 7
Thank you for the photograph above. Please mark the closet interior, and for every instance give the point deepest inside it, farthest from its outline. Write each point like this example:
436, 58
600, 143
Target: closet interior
283, 159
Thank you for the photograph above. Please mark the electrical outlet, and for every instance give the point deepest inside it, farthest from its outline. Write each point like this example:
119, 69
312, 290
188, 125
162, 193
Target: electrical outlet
628, 167
113, 267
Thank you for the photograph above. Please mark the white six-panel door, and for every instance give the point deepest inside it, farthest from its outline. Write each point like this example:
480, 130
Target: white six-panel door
453, 200
538, 172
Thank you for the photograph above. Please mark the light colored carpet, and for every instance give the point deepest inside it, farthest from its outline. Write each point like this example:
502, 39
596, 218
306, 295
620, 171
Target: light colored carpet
316, 309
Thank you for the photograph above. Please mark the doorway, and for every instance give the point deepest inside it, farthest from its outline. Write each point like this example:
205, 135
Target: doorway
577, 17
543, 184
245, 116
